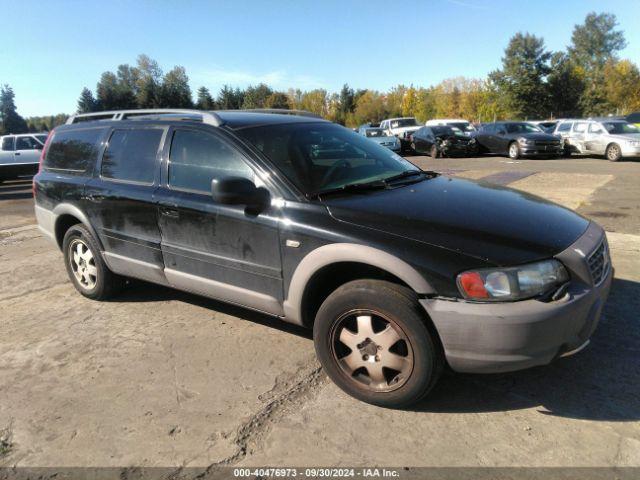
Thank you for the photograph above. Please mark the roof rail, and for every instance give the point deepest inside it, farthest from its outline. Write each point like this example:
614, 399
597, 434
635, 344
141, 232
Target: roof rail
283, 111
208, 117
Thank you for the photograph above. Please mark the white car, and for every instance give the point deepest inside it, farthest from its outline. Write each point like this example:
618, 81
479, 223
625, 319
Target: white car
402, 128
615, 139
20, 154
461, 124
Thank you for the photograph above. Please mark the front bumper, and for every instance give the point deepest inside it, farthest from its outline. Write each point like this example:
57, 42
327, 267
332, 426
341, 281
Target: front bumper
538, 151
628, 151
502, 337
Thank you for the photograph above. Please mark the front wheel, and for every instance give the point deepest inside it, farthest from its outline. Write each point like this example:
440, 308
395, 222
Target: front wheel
613, 152
372, 340
514, 151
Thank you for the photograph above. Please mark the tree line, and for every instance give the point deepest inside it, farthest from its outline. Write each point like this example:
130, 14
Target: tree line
533, 83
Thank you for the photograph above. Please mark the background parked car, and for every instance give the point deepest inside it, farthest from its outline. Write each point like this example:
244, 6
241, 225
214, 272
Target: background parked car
381, 137
442, 141
547, 126
461, 124
20, 154
615, 139
633, 118
517, 139
402, 128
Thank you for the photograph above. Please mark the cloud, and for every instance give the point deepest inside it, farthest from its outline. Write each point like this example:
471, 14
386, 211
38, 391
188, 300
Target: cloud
279, 79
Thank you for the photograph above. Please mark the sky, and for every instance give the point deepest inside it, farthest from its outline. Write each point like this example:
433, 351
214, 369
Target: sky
53, 49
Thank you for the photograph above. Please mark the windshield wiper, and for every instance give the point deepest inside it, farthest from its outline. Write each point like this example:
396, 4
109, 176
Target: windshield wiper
351, 187
409, 173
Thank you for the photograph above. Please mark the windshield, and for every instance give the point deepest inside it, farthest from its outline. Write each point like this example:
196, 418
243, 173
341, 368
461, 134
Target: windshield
324, 156
620, 127
404, 122
522, 128
446, 131
374, 132
41, 138
463, 126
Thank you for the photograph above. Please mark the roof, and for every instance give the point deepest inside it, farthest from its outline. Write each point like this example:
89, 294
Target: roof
235, 119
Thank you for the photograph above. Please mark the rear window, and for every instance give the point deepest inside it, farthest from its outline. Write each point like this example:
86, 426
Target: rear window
73, 150
131, 155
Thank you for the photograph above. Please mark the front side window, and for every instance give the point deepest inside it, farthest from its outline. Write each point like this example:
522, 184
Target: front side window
197, 158
7, 144
27, 143
580, 127
132, 155
595, 128
564, 127
73, 150
323, 156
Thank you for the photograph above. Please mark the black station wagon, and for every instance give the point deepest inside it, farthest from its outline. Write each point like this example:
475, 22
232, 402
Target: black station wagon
398, 271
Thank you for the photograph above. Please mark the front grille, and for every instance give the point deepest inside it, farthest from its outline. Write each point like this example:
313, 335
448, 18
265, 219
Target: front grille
548, 143
599, 262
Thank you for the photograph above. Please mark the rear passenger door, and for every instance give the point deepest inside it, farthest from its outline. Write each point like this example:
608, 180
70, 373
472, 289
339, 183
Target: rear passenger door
27, 150
217, 250
119, 201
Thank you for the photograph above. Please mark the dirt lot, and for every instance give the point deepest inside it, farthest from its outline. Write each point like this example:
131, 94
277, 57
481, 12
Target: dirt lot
161, 378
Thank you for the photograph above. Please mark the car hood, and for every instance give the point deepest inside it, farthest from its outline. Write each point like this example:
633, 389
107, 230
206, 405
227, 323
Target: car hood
493, 223
533, 136
626, 136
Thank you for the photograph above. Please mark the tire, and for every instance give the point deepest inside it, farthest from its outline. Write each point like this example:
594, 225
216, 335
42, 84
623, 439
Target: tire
413, 147
395, 334
433, 152
85, 266
514, 151
613, 153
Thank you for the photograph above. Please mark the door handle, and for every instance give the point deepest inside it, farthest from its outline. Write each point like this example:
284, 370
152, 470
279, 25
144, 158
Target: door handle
169, 212
17, 154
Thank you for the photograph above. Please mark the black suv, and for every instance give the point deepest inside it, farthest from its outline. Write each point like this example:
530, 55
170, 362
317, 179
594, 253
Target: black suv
397, 270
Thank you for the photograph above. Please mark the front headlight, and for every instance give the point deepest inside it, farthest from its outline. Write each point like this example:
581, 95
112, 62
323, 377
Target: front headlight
512, 283
524, 141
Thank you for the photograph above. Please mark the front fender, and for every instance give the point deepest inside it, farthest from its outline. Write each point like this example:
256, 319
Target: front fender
347, 252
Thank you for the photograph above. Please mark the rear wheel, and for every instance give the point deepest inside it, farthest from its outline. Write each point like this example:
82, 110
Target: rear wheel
514, 151
613, 152
434, 152
372, 341
85, 267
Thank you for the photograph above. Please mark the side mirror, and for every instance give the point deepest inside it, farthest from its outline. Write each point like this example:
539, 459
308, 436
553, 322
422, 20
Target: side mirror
239, 191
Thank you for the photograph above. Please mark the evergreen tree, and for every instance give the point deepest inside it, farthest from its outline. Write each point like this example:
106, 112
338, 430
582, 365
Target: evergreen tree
148, 82
175, 91
205, 100
256, 97
277, 100
565, 85
594, 43
521, 80
10, 120
86, 102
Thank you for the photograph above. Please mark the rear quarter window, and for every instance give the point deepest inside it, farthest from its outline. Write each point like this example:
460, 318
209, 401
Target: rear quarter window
131, 155
73, 150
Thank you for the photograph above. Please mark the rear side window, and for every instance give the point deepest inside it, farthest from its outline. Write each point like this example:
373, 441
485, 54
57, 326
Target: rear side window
197, 157
580, 127
564, 127
73, 150
132, 155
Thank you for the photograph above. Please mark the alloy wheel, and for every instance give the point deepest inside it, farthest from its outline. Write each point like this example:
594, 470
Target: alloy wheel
513, 150
613, 153
83, 264
372, 350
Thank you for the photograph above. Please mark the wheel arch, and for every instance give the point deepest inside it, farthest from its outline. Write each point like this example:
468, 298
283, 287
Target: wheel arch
330, 266
68, 215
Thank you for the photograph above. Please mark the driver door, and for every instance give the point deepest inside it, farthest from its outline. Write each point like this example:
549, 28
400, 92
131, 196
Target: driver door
220, 251
594, 139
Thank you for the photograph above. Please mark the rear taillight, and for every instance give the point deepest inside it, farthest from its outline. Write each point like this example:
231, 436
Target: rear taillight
42, 155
